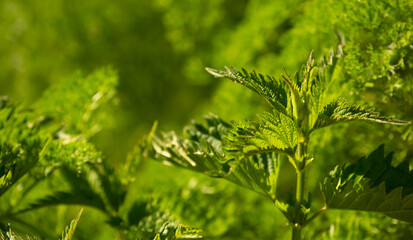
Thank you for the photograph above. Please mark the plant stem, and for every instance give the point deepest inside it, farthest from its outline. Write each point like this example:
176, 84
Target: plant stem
300, 187
301, 152
316, 214
296, 235
300, 158
277, 164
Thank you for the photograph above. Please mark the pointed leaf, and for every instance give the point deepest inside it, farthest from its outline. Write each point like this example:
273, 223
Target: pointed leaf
272, 90
373, 185
340, 111
16, 160
70, 230
273, 133
202, 151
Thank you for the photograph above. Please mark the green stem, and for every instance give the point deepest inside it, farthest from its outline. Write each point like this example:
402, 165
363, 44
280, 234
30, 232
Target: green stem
296, 235
316, 214
300, 159
301, 152
277, 164
300, 187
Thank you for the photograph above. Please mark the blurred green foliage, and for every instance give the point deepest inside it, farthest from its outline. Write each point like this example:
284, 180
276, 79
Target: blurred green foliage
159, 50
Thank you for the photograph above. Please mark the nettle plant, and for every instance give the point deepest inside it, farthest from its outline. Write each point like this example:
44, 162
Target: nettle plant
249, 153
47, 160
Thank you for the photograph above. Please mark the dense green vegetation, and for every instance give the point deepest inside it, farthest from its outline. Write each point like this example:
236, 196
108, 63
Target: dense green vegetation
85, 81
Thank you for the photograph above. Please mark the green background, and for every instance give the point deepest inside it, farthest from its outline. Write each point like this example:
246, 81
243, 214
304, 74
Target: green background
160, 49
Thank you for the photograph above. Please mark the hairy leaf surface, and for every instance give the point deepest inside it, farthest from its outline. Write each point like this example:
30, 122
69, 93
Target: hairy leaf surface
273, 133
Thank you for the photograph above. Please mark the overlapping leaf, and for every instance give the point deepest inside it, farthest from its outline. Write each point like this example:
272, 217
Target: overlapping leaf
81, 192
315, 80
94, 185
20, 147
273, 133
300, 97
17, 123
258, 173
16, 160
202, 151
373, 185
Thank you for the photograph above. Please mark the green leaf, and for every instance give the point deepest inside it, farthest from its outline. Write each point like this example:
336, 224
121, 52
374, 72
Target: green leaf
16, 160
316, 82
373, 185
272, 90
300, 97
273, 133
340, 111
258, 173
201, 151
170, 231
84, 190
9, 234
17, 123
75, 101
70, 230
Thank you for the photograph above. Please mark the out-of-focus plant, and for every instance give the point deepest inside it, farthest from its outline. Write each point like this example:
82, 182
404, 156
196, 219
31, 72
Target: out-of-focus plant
49, 143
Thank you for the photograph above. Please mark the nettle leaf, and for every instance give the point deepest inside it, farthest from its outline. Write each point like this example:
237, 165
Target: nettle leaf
70, 230
170, 231
340, 111
75, 101
274, 91
273, 133
201, 150
258, 173
82, 191
300, 97
7, 233
317, 80
16, 160
20, 146
373, 185
17, 123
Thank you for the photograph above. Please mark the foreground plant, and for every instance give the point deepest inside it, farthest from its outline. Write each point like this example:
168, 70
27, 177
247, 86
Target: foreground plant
249, 153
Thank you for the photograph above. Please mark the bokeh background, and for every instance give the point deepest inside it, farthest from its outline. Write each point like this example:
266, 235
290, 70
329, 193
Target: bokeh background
160, 48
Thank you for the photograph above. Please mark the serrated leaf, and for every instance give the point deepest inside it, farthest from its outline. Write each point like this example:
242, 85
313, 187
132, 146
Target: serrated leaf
317, 80
81, 192
272, 90
75, 101
201, 151
172, 231
70, 230
258, 173
273, 133
300, 97
340, 111
373, 185
16, 160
